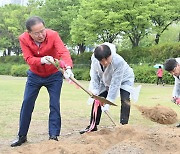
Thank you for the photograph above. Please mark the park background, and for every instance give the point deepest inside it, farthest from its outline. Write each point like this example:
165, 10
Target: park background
145, 32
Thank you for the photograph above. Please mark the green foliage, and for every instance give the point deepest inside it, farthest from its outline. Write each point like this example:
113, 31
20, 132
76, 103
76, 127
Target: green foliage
5, 69
171, 34
100, 21
12, 60
144, 74
134, 55
161, 21
84, 58
164, 51
81, 74
154, 54
86, 75
12, 21
147, 74
19, 70
58, 15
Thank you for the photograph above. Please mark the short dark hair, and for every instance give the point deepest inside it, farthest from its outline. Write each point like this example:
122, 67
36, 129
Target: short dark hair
101, 52
170, 64
33, 21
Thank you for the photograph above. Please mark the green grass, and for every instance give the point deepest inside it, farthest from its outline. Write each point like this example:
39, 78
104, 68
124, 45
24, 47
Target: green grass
74, 109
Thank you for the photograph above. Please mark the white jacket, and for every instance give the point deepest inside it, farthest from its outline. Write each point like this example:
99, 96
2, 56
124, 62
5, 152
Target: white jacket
116, 75
176, 90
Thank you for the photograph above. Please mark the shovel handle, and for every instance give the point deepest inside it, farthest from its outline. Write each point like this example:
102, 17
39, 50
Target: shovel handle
77, 83
106, 112
71, 78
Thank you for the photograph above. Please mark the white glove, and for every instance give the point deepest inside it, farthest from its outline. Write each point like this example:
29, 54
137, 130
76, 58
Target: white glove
68, 73
105, 107
47, 60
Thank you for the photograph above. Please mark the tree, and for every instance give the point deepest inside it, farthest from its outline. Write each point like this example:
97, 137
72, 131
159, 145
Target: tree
93, 23
104, 20
12, 24
58, 15
136, 23
163, 14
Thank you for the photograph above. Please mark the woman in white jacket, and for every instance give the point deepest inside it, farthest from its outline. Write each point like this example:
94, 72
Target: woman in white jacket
110, 75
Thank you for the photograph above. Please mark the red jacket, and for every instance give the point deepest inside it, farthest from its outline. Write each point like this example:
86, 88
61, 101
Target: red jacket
51, 46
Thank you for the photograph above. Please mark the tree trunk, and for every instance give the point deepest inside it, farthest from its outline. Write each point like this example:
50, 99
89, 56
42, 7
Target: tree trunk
134, 41
19, 50
4, 53
16, 50
81, 48
9, 51
157, 38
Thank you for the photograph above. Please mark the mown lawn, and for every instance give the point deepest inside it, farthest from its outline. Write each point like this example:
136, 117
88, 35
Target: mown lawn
74, 109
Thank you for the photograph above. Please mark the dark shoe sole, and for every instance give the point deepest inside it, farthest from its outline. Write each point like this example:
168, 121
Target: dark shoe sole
178, 126
83, 131
86, 130
18, 143
53, 138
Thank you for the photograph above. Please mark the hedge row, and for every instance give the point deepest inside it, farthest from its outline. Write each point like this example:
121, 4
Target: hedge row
143, 73
20, 70
147, 74
12, 60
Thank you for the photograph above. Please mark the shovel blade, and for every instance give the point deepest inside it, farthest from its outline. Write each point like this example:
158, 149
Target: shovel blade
103, 100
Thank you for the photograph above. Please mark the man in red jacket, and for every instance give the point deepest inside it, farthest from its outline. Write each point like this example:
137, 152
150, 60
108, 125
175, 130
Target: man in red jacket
40, 46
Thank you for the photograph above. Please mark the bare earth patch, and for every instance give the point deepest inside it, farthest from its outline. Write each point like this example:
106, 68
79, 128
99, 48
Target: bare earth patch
126, 139
159, 114
120, 139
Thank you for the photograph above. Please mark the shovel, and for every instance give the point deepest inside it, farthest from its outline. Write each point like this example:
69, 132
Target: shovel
101, 99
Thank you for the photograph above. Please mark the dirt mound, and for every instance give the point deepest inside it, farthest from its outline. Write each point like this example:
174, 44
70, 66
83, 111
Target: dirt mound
159, 114
122, 139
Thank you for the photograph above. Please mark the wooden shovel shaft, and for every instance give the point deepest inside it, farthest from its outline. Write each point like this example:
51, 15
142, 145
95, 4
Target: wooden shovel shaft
103, 100
77, 83
72, 79
106, 112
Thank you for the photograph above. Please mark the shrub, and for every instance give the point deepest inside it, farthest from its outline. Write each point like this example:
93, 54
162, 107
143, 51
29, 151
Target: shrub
154, 54
81, 74
12, 59
19, 70
5, 69
164, 51
147, 74
84, 58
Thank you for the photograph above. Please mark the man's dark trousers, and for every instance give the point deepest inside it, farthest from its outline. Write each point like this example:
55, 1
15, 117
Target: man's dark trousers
53, 83
125, 108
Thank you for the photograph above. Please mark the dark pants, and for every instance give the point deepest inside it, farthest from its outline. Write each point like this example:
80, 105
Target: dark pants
125, 108
159, 79
53, 83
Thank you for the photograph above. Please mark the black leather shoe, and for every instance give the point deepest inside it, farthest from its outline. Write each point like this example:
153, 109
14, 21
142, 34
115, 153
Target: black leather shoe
53, 138
87, 129
178, 126
20, 140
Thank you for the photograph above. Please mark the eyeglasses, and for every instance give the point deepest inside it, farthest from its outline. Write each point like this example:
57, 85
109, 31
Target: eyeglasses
39, 33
